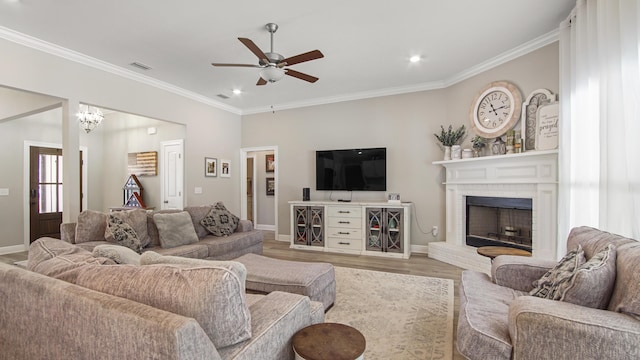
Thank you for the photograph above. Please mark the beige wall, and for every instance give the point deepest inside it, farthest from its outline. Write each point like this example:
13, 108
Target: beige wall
404, 124
265, 205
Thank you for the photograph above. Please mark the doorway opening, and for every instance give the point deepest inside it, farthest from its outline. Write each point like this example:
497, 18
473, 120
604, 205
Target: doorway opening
261, 183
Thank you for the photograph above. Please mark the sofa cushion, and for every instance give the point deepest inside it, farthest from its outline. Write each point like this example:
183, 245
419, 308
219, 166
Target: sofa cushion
626, 294
152, 258
137, 219
90, 226
152, 229
121, 233
61, 260
234, 245
220, 221
175, 229
212, 295
119, 254
198, 213
555, 281
592, 283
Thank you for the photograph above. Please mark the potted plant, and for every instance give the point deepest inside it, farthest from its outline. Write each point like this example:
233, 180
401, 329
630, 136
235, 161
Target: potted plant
449, 138
478, 142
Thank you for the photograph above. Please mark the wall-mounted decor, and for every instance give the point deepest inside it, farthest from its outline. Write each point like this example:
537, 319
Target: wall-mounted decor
210, 167
225, 168
547, 127
495, 109
529, 115
143, 163
271, 186
270, 163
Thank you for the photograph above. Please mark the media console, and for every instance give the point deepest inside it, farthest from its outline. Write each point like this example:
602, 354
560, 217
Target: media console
361, 228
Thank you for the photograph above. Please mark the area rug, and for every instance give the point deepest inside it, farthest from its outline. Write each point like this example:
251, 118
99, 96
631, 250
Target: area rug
400, 316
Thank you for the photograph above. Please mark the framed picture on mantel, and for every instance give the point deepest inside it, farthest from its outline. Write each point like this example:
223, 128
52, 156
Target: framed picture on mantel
547, 127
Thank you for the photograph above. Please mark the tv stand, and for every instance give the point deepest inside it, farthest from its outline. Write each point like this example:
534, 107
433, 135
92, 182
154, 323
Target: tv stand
359, 228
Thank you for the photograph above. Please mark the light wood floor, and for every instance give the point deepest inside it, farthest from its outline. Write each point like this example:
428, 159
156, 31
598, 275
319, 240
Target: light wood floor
416, 265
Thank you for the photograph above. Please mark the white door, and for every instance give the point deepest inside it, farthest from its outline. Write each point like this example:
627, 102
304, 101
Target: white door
172, 172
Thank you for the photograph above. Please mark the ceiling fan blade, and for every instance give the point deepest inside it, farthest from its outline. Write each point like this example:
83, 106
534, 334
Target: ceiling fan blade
254, 49
308, 56
261, 81
301, 76
236, 65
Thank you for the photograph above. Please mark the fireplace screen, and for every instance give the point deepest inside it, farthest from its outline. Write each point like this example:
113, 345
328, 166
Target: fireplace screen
499, 221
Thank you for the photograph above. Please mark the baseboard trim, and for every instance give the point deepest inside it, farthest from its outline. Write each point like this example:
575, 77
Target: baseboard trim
12, 249
265, 227
284, 237
420, 249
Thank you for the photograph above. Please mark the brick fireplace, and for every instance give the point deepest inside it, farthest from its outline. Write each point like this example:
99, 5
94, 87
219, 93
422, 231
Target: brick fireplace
510, 200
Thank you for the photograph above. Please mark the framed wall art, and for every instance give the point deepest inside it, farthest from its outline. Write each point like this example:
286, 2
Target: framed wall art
270, 165
271, 186
225, 168
528, 119
210, 167
547, 127
143, 163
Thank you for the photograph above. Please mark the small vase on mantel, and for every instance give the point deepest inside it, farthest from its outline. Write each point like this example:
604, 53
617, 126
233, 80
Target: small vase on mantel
447, 153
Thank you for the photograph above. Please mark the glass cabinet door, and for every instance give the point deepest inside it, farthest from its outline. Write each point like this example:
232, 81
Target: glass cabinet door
316, 233
300, 218
374, 229
394, 236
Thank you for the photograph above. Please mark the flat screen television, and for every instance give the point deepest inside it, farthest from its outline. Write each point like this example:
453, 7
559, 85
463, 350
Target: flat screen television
352, 169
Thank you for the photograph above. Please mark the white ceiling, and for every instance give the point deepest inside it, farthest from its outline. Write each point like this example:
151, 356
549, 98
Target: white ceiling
366, 43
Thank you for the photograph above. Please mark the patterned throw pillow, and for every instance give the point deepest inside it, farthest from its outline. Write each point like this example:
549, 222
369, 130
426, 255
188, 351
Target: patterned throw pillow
120, 232
552, 284
592, 283
220, 221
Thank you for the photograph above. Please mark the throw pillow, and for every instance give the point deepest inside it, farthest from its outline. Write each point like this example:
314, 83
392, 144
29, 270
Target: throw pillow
625, 298
175, 229
119, 254
211, 295
197, 214
121, 233
90, 226
153, 258
220, 221
552, 284
592, 283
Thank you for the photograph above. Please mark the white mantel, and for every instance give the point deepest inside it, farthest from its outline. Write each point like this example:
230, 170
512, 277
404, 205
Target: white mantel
532, 174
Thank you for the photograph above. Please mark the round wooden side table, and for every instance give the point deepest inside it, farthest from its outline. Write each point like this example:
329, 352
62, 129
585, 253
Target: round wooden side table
329, 341
493, 251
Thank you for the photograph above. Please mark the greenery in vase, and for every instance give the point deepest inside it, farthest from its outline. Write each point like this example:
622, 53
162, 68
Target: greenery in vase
450, 137
478, 142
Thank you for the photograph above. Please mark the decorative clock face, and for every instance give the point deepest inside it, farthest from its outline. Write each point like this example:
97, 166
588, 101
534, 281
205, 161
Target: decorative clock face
496, 109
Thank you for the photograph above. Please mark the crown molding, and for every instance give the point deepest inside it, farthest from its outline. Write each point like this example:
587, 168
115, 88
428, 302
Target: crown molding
71, 55
47, 47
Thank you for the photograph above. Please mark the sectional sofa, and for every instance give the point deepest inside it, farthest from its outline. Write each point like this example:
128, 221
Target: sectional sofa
195, 241
74, 305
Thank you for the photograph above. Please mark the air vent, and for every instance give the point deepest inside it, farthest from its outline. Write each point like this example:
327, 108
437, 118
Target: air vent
140, 66
222, 96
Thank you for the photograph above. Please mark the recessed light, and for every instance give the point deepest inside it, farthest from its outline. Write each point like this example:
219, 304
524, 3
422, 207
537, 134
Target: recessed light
415, 58
237, 91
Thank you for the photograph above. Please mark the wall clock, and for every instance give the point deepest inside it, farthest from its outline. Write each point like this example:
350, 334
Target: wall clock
496, 109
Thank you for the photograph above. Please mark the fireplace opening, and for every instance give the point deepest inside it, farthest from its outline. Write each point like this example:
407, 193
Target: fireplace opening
499, 221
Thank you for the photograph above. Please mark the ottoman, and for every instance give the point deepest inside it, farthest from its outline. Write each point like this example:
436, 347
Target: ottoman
315, 280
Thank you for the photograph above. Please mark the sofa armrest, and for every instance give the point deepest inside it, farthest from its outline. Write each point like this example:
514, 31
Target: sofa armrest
547, 329
244, 226
68, 232
518, 272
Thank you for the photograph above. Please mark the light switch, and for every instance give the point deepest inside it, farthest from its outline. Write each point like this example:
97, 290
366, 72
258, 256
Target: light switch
4, 192
198, 190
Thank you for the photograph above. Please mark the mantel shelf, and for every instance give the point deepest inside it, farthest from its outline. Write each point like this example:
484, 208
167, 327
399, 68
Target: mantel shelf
496, 157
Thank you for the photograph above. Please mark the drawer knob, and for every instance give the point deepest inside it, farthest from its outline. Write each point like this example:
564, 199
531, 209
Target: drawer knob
343, 233
344, 243
344, 212
344, 222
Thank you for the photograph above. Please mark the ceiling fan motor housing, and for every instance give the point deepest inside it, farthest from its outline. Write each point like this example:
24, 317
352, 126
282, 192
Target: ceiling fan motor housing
273, 57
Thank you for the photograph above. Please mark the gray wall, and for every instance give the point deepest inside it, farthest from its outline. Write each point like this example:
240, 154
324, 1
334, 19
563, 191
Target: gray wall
404, 124
265, 205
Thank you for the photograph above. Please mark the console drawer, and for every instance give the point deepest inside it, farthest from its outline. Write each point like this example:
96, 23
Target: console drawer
345, 222
344, 233
345, 244
344, 211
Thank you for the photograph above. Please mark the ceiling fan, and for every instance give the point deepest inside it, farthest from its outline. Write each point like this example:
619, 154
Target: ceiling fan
273, 64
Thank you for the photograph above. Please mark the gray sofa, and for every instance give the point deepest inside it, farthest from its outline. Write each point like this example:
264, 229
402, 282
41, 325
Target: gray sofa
500, 320
89, 229
72, 305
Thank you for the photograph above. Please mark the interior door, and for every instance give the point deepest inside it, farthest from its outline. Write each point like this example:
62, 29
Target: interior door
172, 173
45, 192
250, 182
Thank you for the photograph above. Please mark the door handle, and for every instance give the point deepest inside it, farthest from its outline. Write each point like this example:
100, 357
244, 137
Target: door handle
33, 193
166, 201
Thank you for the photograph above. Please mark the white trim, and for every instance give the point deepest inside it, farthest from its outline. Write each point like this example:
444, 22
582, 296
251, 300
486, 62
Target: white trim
53, 49
71, 55
163, 173
26, 178
284, 238
265, 227
12, 249
420, 249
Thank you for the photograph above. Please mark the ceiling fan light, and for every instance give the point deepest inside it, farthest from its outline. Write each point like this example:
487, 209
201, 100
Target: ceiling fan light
272, 73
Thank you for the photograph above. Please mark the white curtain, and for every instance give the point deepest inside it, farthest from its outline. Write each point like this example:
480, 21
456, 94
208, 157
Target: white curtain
599, 155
